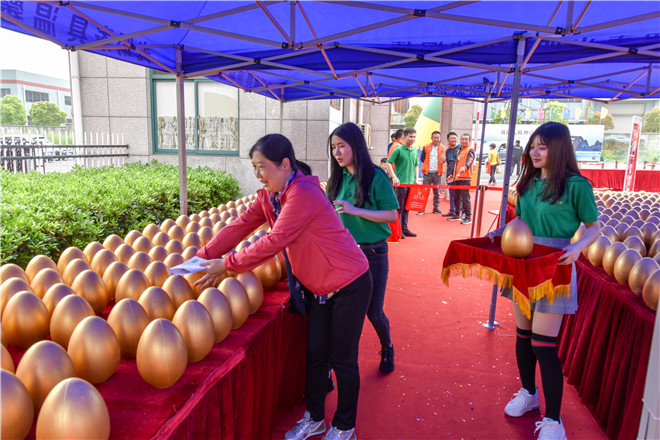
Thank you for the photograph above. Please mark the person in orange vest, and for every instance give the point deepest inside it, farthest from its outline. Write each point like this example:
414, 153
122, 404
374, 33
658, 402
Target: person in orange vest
433, 158
397, 139
462, 176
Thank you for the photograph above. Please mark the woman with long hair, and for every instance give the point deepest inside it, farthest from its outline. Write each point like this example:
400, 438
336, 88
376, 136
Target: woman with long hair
327, 262
366, 203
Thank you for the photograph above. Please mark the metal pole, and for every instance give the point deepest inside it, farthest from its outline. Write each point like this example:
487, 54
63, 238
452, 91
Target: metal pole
481, 152
181, 138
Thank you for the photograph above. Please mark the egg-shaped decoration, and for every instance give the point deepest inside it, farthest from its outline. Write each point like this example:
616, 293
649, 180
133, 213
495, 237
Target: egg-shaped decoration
190, 252
192, 239
3, 336
158, 253
25, 320
91, 249
213, 210
11, 270
269, 273
176, 232
242, 245
231, 204
111, 277
74, 409
174, 246
254, 238
237, 299
157, 273
218, 226
620, 229
609, 232
44, 365
131, 285
6, 361
143, 244
193, 226
37, 264
651, 290
636, 243
640, 272
517, 239
218, 307
222, 208
233, 212
655, 219
196, 326
655, 248
157, 303
194, 218
162, 355
73, 269
16, 407
55, 294
44, 280
648, 231
167, 224
597, 250
173, 260
192, 279
618, 215
140, 261
624, 264
225, 216
613, 223
124, 253
151, 230
215, 218
67, 314
94, 349
10, 288
241, 209
178, 289
633, 231
128, 319
160, 239
89, 285
131, 237
644, 214
183, 221
206, 222
203, 213
628, 219
638, 223
253, 288
112, 242
102, 260
280, 258
205, 233
69, 254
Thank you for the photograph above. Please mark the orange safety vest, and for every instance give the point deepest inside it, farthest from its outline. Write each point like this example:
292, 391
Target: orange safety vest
427, 160
465, 159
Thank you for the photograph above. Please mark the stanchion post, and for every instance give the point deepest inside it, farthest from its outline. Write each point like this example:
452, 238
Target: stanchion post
481, 189
491, 324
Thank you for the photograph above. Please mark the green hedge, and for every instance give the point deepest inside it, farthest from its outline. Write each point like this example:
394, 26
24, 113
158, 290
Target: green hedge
46, 213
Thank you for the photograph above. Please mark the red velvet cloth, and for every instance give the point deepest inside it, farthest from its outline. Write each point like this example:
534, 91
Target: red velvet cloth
647, 180
605, 349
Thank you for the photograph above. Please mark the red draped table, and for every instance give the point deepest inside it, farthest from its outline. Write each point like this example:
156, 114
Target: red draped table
646, 180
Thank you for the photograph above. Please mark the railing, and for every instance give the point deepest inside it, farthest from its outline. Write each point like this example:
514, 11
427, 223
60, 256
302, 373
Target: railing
615, 165
60, 158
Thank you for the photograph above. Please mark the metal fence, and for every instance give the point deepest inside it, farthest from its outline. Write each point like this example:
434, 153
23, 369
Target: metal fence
60, 158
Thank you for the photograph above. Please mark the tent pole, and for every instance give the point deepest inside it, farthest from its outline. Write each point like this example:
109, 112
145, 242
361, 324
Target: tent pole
181, 137
477, 193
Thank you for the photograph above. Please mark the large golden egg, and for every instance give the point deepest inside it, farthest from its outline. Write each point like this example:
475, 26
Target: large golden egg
196, 326
167, 224
202, 214
633, 231
237, 299
280, 258
225, 216
151, 230
655, 248
140, 261
11, 270
89, 285
131, 237
269, 273
16, 408
111, 277
176, 232
242, 245
178, 289
38, 263
25, 320
192, 227
219, 225
157, 303
44, 280
648, 230
69, 254
517, 239
253, 288
6, 361
124, 252
10, 288
162, 355
3, 336
651, 290
43, 366
624, 264
190, 252
174, 246
74, 409
157, 273
640, 273
609, 232
128, 320
183, 220
218, 307
143, 244
206, 222
192, 239
112, 242
213, 210
67, 314
56, 294
160, 239
173, 260
94, 349
158, 253
636, 243
91, 249
192, 279
194, 217
131, 285
73, 269
102, 260
611, 254
215, 218
620, 229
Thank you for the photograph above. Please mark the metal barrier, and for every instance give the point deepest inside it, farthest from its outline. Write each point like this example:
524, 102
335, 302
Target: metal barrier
60, 158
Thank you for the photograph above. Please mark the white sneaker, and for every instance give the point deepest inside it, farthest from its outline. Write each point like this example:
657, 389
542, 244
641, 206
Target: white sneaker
521, 403
550, 429
306, 427
337, 434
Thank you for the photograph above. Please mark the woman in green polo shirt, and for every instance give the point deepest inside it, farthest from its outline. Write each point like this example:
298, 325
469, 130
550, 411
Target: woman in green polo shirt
365, 201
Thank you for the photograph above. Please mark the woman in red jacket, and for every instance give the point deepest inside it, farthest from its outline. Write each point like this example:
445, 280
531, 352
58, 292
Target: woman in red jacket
327, 262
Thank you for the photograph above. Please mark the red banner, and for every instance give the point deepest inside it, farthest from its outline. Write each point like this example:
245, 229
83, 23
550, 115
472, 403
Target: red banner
631, 167
417, 198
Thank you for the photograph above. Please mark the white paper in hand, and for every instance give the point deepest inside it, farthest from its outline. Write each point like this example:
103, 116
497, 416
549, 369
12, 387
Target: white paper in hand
188, 267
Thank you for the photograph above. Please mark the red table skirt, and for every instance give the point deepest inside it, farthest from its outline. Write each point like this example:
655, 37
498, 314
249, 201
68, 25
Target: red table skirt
647, 180
605, 349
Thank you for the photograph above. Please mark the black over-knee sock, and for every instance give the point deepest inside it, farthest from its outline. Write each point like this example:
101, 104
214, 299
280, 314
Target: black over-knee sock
551, 373
526, 359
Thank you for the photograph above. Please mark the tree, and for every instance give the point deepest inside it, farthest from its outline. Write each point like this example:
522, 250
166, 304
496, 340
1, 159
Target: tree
12, 111
652, 121
47, 113
411, 117
607, 121
554, 111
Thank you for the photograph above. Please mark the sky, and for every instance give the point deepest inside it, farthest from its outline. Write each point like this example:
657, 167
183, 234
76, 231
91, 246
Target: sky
31, 54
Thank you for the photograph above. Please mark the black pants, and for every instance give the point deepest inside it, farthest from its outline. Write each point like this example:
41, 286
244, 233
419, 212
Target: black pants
433, 178
493, 170
401, 197
333, 339
463, 199
379, 267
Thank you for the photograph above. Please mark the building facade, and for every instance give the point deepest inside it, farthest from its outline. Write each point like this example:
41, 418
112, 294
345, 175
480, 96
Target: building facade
31, 88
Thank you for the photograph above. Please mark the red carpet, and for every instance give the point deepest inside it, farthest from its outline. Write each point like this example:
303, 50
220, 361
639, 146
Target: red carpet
453, 376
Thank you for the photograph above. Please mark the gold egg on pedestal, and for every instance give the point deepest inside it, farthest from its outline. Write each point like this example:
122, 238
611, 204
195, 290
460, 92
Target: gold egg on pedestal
160, 239
218, 307
43, 366
611, 254
636, 243
193, 226
158, 253
167, 224
157, 303
517, 239
182, 221
173, 260
651, 290
157, 273
151, 230
176, 232
269, 273
253, 288
44, 280
16, 408
10, 288
131, 237
111, 277
67, 314
237, 299
640, 273
74, 409
124, 252
131, 285
73, 269
143, 244
196, 326
190, 252
624, 264
102, 260
192, 239
140, 261
162, 355
25, 320
11, 270
56, 294
178, 289
174, 247
128, 320
94, 349
91, 249
38, 263
89, 285
112, 242
69, 254
6, 362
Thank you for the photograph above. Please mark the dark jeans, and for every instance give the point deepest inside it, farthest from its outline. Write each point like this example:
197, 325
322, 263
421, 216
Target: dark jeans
379, 267
463, 199
516, 164
452, 196
432, 178
493, 170
401, 197
333, 339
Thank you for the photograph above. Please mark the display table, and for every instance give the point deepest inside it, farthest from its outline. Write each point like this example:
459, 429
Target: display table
605, 348
647, 180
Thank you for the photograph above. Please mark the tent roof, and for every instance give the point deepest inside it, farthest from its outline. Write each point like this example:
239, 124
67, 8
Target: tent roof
292, 50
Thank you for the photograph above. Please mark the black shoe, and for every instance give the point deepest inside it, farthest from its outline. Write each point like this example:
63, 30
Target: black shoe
466, 221
454, 218
436, 211
449, 214
386, 359
409, 234
420, 213
403, 236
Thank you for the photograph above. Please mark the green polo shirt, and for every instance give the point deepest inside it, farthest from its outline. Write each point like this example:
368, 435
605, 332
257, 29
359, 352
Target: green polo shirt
405, 160
382, 198
561, 219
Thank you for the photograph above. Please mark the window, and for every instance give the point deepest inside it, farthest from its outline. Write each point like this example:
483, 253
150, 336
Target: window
67, 100
31, 96
4, 92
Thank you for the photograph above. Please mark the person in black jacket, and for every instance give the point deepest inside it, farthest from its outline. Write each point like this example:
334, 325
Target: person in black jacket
517, 157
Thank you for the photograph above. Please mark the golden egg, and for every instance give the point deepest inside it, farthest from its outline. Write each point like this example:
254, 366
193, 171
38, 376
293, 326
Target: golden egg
3, 336
233, 212
16, 408
44, 280
242, 245
55, 294
91, 249
192, 279
112, 242
178, 289
192, 239
67, 314
131, 285
196, 326
157, 273
253, 288
6, 362
174, 247
218, 307
222, 208
182, 221
162, 355
269, 273
218, 226
151, 230
194, 218
140, 261
25, 320
69, 254
237, 299
158, 253
225, 216
240, 209
620, 229
205, 234
157, 303
176, 232
203, 213
89, 285
124, 252
74, 409
624, 264
38, 263
655, 248
102, 260
633, 231
640, 273
213, 210
173, 260
11, 270
190, 252
143, 244
254, 238
644, 214
215, 218
280, 258
43, 366
167, 224
636, 243
131, 237
648, 231
10, 288
111, 277
94, 349
517, 239
73, 269
651, 290
609, 232
160, 239
128, 320
205, 222
611, 254
192, 227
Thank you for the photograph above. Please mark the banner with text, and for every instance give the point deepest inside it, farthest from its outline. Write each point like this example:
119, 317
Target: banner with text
631, 167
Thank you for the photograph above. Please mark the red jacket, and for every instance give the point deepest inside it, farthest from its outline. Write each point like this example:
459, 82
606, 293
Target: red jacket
323, 254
